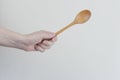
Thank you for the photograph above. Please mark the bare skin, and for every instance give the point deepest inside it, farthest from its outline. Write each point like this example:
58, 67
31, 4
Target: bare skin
36, 41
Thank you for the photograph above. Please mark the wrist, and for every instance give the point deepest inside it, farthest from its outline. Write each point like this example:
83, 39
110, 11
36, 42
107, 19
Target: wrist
18, 41
24, 43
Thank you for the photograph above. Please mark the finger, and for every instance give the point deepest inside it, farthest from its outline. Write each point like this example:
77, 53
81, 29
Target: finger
54, 39
48, 43
38, 48
47, 35
44, 46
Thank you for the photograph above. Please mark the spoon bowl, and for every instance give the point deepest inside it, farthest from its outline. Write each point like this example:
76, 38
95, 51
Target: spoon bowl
81, 18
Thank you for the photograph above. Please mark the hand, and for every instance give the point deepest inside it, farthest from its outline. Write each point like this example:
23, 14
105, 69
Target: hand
39, 41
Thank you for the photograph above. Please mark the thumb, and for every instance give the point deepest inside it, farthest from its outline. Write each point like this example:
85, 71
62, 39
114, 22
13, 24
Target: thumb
47, 35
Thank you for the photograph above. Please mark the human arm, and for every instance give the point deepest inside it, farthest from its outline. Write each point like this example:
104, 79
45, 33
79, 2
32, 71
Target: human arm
36, 41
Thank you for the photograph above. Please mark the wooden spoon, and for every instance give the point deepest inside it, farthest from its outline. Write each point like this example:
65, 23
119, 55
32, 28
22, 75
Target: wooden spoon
81, 18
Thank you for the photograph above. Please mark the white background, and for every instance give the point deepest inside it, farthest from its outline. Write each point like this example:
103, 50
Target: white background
87, 51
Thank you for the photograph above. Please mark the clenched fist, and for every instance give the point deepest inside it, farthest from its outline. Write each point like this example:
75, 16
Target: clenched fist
39, 41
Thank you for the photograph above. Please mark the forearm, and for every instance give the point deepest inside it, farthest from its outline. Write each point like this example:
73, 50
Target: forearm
9, 38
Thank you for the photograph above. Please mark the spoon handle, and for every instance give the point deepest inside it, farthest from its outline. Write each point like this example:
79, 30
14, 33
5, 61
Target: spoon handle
66, 27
